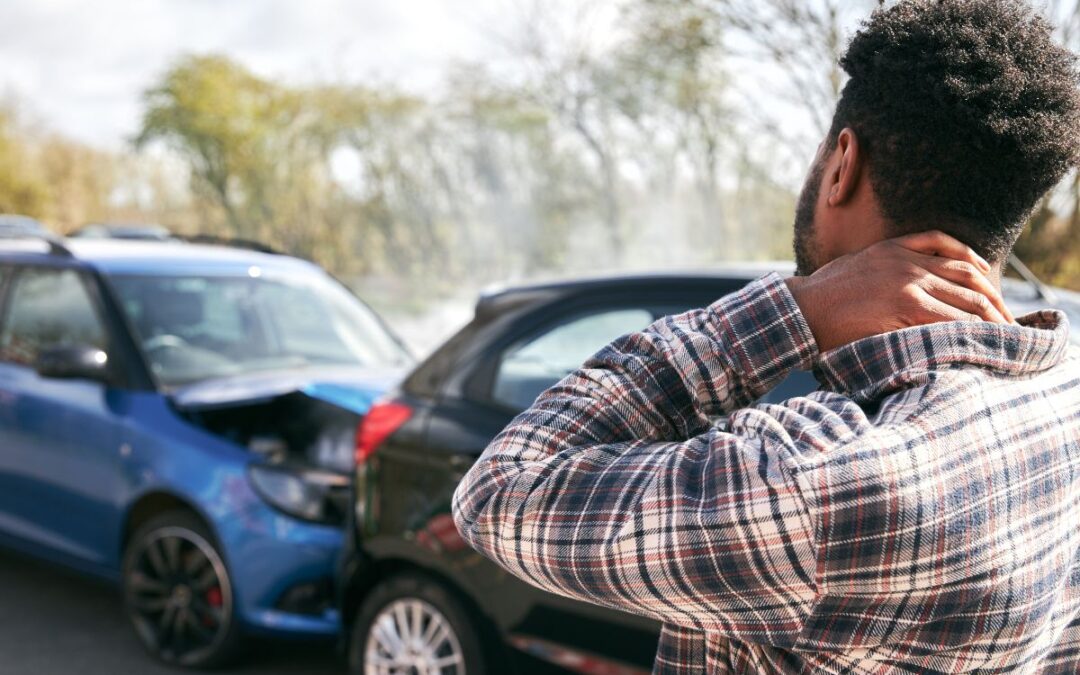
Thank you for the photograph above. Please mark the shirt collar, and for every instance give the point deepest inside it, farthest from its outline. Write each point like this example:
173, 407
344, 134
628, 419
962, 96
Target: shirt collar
869, 368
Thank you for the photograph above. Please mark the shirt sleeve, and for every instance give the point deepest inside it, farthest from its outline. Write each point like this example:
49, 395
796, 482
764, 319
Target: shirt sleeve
616, 488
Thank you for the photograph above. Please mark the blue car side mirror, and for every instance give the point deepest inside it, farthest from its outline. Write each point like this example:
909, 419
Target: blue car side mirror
74, 362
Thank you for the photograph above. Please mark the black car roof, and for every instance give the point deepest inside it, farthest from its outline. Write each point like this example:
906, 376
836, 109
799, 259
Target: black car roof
498, 299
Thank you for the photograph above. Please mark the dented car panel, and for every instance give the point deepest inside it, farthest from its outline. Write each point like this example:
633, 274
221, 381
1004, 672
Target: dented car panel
298, 419
349, 388
267, 551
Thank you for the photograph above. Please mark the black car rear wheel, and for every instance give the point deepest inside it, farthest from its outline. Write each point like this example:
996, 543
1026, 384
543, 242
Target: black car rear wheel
412, 625
177, 592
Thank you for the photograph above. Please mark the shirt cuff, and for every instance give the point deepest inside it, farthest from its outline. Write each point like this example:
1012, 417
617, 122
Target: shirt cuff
767, 333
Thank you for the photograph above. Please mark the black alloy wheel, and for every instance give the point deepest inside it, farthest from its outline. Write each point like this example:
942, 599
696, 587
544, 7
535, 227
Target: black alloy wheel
177, 592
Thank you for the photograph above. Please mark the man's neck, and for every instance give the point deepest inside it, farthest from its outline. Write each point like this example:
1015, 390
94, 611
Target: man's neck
996, 271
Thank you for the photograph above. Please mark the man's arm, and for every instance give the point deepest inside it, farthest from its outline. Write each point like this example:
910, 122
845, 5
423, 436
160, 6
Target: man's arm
615, 488
669, 381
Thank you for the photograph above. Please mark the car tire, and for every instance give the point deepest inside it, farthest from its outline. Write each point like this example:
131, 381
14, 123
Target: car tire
406, 600
178, 594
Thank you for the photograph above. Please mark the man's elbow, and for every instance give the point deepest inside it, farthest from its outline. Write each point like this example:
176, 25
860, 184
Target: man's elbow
472, 494
464, 515
476, 504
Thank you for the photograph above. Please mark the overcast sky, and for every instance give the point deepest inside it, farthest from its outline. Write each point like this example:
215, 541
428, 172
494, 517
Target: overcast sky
79, 67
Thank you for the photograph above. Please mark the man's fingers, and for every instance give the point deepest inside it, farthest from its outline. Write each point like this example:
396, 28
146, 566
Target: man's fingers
961, 302
936, 311
965, 274
935, 242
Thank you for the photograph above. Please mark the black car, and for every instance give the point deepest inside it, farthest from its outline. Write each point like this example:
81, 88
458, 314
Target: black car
413, 591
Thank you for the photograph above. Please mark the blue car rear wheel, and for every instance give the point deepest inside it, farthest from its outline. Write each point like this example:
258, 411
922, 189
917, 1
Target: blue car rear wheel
178, 594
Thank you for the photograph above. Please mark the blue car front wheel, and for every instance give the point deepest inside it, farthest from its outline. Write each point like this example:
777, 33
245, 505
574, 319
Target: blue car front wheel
178, 594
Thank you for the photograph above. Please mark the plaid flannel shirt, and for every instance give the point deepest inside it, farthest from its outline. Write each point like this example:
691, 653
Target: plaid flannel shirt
919, 513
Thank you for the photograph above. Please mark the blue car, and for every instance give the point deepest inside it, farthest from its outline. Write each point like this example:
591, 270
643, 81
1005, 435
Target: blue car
181, 419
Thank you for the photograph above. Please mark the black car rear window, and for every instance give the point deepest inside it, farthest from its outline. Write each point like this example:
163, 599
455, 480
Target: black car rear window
428, 377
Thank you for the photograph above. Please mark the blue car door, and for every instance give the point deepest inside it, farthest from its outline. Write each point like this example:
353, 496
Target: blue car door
60, 439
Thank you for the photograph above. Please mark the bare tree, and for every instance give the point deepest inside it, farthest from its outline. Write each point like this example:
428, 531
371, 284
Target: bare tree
566, 75
672, 88
1050, 244
788, 54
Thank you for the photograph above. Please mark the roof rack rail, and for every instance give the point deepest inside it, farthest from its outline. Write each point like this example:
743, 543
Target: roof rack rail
234, 242
1042, 289
56, 244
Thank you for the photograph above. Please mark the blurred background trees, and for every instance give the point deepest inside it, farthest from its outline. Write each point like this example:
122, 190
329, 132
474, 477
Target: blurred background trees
679, 138
1051, 242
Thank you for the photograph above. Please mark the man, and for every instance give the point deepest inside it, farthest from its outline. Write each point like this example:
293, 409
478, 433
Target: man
919, 513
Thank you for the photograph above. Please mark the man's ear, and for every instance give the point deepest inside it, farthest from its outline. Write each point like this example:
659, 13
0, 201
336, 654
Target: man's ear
846, 168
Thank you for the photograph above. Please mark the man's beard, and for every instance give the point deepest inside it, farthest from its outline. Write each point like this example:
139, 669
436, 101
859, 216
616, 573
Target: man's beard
804, 244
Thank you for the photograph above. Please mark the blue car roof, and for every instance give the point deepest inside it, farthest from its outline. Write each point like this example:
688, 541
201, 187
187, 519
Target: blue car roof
156, 257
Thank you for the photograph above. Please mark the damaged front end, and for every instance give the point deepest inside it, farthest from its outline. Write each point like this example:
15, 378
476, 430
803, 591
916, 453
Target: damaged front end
301, 429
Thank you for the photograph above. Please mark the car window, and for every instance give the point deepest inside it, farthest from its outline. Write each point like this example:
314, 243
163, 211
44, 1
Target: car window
194, 327
48, 308
527, 369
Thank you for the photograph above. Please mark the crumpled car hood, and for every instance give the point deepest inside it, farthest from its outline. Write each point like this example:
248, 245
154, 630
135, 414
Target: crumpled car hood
351, 388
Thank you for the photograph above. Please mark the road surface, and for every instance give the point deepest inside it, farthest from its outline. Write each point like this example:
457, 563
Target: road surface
53, 621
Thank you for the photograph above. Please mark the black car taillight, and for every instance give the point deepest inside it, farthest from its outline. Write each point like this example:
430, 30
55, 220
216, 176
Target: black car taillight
382, 420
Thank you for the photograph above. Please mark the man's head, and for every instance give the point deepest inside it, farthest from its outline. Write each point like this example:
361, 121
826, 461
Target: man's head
958, 115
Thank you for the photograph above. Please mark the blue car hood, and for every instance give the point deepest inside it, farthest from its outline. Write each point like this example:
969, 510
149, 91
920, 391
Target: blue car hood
353, 389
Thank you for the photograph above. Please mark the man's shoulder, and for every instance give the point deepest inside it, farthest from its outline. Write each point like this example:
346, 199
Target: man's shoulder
949, 419
826, 437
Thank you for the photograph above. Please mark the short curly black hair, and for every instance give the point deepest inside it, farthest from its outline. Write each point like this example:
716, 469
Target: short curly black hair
967, 111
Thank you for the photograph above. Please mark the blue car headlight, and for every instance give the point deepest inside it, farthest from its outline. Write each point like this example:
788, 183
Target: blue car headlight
309, 494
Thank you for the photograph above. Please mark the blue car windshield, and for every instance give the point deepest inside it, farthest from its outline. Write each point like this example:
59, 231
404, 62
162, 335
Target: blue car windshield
196, 327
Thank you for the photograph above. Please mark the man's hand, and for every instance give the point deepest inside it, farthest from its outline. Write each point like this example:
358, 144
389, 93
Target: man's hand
912, 280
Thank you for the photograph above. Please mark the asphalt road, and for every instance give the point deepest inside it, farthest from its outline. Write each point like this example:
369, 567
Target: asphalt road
55, 622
